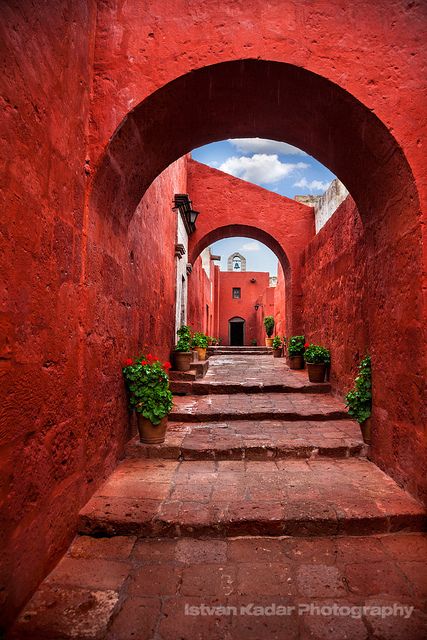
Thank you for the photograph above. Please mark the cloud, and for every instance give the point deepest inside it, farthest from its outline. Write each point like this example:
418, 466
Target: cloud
251, 246
261, 168
314, 185
260, 145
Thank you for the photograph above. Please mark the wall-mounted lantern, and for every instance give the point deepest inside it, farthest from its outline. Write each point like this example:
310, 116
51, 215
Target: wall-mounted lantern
183, 204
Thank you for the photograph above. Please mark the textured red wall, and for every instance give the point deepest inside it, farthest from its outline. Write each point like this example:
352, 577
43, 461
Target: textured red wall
337, 266
333, 281
200, 289
232, 207
251, 292
77, 294
279, 304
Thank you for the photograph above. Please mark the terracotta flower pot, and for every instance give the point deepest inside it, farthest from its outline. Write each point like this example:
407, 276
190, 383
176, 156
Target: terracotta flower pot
201, 352
296, 362
316, 371
269, 342
365, 428
183, 360
277, 353
150, 433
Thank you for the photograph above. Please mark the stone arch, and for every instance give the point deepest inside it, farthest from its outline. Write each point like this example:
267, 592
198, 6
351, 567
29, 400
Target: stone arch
281, 101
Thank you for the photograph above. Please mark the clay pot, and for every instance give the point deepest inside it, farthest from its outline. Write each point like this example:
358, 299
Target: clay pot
269, 342
365, 428
201, 352
316, 371
150, 433
296, 362
277, 353
183, 360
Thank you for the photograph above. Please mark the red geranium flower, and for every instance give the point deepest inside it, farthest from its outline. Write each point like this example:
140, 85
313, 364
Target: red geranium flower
144, 362
307, 344
128, 362
167, 365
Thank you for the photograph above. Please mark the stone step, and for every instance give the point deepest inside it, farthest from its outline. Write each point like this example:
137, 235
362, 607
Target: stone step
257, 406
200, 368
122, 588
246, 440
152, 498
299, 386
248, 351
182, 376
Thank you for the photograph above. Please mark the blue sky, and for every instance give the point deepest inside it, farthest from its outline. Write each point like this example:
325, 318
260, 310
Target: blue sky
258, 256
276, 166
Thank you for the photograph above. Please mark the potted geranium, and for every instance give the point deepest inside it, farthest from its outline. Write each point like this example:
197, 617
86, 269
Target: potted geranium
200, 343
317, 359
359, 399
277, 347
147, 382
296, 348
183, 355
269, 328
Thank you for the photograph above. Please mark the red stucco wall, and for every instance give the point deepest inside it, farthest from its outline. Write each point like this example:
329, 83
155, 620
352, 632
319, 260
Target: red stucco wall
337, 313
279, 304
201, 301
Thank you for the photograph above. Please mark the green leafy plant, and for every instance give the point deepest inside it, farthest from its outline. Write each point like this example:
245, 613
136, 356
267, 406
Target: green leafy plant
277, 342
296, 346
199, 340
254, 342
359, 399
147, 382
315, 354
184, 339
269, 325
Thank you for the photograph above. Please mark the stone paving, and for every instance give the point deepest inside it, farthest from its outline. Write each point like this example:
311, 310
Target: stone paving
124, 588
180, 529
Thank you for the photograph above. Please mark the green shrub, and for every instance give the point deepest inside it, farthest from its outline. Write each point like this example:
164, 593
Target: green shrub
269, 325
254, 342
199, 340
359, 399
147, 382
277, 342
315, 354
296, 346
184, 339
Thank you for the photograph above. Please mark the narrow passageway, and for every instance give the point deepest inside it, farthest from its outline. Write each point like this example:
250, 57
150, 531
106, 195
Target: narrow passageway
261, 496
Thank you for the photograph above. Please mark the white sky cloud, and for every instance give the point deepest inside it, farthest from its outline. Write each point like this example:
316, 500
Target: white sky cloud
314, 185
251, 246
260, 145
261, 168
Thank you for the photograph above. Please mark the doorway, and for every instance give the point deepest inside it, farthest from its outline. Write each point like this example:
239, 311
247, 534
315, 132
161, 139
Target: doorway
236, 332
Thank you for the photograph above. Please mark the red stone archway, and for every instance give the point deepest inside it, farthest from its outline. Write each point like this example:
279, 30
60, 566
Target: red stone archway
276, 100
231, 207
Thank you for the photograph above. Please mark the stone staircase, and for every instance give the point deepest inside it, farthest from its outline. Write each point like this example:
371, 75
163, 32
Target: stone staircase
262, 492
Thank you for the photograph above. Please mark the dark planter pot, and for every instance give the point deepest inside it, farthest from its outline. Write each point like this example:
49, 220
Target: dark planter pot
296, 362
183, 360
365, 428
150, 433
277, 353
316, 372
